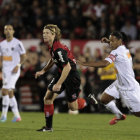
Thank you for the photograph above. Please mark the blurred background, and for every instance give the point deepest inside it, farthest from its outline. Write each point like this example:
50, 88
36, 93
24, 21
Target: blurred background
83, 23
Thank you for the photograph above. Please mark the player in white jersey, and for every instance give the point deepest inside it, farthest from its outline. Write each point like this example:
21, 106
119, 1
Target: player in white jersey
12, 54
125, 87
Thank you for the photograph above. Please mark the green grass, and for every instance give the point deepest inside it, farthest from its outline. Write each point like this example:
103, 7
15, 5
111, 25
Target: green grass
71, 127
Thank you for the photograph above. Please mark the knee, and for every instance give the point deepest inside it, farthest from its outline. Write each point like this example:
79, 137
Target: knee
47, 100
103, 100
4, 92
11, 93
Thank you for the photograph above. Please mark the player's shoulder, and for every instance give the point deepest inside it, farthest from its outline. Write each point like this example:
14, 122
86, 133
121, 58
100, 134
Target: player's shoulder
58, 46
16, 40
3, 42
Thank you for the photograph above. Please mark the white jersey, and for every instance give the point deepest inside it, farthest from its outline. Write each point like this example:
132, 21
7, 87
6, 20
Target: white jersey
10, 52
123, 64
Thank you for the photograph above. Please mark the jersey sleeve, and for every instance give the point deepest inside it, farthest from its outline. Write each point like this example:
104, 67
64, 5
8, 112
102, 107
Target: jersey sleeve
112, 56
21, 48
61, 56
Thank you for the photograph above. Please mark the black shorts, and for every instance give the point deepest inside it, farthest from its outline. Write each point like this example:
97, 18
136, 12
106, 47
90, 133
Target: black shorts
71, 85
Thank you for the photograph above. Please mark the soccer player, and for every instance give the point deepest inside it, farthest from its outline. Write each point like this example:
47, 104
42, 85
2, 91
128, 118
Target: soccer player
12, 54
125, 87
67, 78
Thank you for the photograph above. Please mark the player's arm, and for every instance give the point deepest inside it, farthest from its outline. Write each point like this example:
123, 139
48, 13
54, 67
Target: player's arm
49, 65
45, 69
63, 60
105, 40
97, 64
64, 73
22, 58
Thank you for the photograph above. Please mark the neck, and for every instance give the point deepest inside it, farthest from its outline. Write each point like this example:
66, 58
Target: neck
9, 38
49, 43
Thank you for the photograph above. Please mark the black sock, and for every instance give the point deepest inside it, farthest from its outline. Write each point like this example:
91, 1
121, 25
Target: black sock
49, 121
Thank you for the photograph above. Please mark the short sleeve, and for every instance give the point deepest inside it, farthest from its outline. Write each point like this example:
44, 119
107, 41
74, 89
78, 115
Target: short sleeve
21, 48
112, 56
61, 56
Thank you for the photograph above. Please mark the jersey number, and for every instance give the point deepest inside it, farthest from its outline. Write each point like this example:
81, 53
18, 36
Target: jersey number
60, 56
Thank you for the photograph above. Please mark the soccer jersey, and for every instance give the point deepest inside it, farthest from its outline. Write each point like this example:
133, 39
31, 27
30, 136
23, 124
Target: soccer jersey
10, 52
62, 55
123, 63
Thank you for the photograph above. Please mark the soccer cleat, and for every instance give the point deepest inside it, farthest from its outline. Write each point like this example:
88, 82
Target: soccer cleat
3, 119
44, 128
15, 119
115, 120
92, 99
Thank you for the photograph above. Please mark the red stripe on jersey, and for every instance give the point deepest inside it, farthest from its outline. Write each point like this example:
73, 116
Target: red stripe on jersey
112, 57
58, 45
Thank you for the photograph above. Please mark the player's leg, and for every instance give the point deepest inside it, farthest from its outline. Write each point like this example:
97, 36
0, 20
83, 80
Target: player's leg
14, 106
132, 100
107, 98
72, 85
5, 104
48, 105
48, 110
13, 101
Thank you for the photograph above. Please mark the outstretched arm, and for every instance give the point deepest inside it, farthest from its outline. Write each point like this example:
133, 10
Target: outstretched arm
98, 64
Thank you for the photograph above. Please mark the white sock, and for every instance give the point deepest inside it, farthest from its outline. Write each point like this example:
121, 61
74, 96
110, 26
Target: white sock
113, 108
5, 105
14, 107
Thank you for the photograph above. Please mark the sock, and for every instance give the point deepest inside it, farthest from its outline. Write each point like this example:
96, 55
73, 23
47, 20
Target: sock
5, 105
81, 103
14, 107
113, 108
49, 110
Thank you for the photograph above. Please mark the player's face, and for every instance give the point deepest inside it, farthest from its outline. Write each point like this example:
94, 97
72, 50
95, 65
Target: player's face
48, 36
114, 42
8, 31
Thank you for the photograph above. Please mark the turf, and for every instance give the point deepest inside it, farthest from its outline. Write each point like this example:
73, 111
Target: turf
70, 127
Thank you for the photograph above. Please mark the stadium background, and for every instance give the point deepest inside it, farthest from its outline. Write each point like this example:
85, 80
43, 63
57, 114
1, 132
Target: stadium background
83, 23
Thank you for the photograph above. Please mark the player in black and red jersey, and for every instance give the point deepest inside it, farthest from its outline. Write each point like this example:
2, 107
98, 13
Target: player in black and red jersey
68, 77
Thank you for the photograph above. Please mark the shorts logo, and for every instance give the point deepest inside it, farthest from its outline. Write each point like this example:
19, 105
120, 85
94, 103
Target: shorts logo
74, 96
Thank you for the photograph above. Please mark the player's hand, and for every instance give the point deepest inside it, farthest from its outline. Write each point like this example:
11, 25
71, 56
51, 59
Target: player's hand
105, 40
39, 73
56, 87
15, 70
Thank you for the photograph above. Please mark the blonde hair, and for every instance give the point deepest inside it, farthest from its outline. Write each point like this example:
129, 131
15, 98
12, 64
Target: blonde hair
54, 30
9, 25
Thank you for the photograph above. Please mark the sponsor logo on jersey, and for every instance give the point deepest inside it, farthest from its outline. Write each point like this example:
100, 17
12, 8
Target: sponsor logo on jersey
74, 96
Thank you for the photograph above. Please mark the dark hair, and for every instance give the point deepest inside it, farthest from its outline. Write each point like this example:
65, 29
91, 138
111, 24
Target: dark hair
122, 36
117, 34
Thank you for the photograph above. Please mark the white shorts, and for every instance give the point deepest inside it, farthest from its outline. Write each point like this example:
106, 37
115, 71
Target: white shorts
131, 98
9, 79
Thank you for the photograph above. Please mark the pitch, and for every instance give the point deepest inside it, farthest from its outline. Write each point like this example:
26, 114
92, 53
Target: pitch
71, 127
